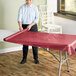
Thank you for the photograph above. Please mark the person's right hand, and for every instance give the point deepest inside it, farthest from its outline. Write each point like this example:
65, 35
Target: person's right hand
20, 28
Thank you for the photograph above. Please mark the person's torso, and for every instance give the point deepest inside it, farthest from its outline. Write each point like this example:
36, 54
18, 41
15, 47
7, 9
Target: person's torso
28, 14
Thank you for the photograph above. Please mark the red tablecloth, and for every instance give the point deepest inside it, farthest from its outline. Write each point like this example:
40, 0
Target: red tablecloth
62, 42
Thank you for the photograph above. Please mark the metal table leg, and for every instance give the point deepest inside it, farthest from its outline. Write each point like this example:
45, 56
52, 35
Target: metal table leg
60, 60
60, 63
67, 61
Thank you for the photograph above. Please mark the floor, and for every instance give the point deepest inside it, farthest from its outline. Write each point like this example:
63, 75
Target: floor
10, 65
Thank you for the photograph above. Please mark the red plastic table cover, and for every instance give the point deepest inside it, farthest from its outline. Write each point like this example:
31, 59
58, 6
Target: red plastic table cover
63, 42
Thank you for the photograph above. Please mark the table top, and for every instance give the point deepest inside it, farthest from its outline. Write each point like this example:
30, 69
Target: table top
62, 42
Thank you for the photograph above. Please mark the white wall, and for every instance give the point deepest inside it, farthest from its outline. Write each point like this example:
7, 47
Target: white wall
52, 4
68, 26
9, 13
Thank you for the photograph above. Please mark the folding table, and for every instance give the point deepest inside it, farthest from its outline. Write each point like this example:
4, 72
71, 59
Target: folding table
61, 42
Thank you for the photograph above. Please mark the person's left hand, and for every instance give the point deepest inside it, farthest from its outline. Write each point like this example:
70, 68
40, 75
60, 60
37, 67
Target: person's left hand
29, 27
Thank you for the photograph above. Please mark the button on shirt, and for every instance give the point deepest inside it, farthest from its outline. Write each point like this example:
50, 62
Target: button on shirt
28, 14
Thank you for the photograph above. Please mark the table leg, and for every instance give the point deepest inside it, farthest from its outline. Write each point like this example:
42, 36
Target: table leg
67, 61
60, 60
60, 63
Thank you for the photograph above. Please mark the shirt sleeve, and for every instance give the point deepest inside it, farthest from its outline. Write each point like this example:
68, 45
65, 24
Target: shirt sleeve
36, 15
20, 15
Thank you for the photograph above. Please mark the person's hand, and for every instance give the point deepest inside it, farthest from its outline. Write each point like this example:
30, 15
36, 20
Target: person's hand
20, 28
29, 27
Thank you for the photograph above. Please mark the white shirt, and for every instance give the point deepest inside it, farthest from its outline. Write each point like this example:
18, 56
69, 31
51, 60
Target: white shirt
28, 14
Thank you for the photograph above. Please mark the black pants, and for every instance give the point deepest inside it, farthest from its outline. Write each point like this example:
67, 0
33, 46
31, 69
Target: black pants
25, 47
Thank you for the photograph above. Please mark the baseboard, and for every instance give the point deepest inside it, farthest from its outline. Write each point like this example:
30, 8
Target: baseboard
19, 48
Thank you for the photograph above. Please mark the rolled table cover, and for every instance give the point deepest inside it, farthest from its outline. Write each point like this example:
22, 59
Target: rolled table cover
63, 42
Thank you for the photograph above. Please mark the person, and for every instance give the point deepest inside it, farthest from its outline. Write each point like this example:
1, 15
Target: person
28, 17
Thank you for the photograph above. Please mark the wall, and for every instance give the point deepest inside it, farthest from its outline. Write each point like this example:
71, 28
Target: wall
8, 14
68, 26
